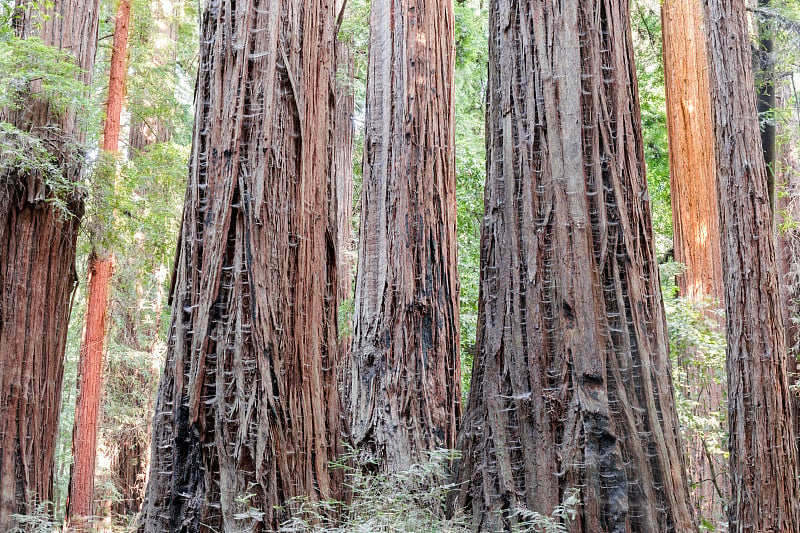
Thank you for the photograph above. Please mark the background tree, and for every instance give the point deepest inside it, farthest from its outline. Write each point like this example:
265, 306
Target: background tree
40, 209
101, 265
762, 445
571, 385
695, 224
405, 378
247, 415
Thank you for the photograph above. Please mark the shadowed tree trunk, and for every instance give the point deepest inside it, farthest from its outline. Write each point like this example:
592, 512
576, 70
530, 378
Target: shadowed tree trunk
37, 269
247, 415
762, 446
571, 386
766, 97
80, 506
405, 378
695, 223
343, 131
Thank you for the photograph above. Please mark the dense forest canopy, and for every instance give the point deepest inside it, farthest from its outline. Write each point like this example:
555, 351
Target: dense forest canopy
399, 265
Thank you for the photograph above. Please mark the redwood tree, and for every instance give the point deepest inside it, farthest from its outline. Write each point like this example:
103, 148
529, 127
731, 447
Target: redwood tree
695, 224
764, 485
405, 378
37, 265
571, 384
80, 505
247, 415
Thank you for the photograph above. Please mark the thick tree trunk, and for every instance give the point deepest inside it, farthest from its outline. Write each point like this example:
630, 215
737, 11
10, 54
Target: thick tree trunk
405, 379
764, 485
37, 272
247, 415
80, 506
571, 385
695, 223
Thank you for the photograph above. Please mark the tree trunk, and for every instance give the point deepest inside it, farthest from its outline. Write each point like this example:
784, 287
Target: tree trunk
80, 506
405, 379
571, 386
762, 447
37, 271
247, 415
695, 223
343, 170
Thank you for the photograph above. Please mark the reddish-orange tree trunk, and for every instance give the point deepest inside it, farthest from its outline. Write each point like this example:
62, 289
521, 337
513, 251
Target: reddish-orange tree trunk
247, 415
695, 223
101, 265
571, 386
37, 270
764, 486
405, 378
90, 375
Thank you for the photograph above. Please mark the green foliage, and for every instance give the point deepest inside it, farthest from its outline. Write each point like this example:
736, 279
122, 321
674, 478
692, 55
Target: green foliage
532, 522
471, 31
39, 521
409, 501
646, 23
32, 73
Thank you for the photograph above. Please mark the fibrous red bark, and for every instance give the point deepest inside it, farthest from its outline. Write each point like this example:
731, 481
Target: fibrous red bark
764, 487
404, 386
247, 415
571, 385
37, 269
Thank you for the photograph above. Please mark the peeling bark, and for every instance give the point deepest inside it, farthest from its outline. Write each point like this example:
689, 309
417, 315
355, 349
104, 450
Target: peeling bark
764, 484
247, 415
37, 272
571, 386
404, 386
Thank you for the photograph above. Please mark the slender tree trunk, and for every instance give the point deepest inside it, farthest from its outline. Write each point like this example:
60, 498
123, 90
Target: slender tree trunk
405, 379
247, 415
37, 271
80, 506
764, 486
571, 386
695, 223
343, 170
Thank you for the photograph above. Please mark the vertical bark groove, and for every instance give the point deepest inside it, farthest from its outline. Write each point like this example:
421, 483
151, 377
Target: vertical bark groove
571, 385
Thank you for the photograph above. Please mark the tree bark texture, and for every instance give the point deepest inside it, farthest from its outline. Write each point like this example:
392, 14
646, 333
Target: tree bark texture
247, 415
37, 271
404, 386
695, 221
80, 506
762, 447
571, 386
